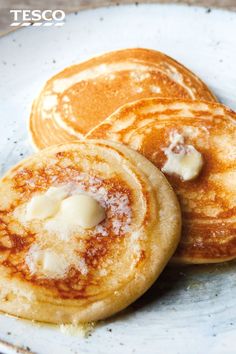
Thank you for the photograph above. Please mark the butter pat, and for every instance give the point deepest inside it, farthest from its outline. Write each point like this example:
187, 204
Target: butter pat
45, 205
186, 163
54, 265
47, 263
82, 210
64, 214
41, 207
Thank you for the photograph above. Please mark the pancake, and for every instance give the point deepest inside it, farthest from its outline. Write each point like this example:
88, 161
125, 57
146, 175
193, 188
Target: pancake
81, 96
169, 131
64, 262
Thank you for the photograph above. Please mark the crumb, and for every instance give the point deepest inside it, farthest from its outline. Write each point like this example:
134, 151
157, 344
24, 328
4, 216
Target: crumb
84, 330
76, 12
54, 61
101, 18
208, 11
136, 3
8, 333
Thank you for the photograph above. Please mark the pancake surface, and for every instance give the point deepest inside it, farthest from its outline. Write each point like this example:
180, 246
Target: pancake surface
208, 202
56, 273
81, 96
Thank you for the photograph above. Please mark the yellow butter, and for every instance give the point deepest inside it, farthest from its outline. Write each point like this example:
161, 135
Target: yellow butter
82, 210
187, 163
65, 213
41, 207
45, 205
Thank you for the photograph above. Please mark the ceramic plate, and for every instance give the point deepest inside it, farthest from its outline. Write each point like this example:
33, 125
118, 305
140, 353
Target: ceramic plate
190, 310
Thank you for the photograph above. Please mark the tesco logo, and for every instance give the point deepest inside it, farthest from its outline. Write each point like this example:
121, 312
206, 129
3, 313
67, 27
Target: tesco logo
37, 17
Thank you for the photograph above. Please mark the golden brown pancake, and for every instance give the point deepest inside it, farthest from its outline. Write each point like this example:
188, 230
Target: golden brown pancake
54, 270
81, 96
209, 201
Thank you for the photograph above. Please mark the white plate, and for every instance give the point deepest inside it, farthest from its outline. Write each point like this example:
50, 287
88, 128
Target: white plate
188, 311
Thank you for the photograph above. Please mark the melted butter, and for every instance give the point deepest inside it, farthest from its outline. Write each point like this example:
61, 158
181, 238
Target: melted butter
76, 210
52, 264
47, 263
41, 207
186, 163
45, 205
83, 330
82, 210
63, 214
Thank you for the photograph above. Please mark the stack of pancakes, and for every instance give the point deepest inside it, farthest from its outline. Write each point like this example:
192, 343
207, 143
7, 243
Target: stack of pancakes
115, 128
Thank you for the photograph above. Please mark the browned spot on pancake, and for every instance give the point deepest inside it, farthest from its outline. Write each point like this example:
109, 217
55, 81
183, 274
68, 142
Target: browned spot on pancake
142, 257
10, 240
